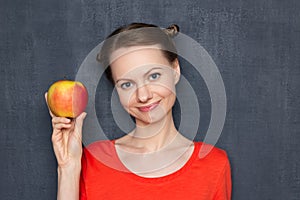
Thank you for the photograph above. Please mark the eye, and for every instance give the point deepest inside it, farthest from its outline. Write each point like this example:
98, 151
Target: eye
154, 76
126, 85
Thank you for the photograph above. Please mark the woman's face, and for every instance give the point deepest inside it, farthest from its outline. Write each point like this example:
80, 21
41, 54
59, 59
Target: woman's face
145, 81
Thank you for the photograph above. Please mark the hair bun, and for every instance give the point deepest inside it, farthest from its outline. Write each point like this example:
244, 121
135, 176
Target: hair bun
172, 30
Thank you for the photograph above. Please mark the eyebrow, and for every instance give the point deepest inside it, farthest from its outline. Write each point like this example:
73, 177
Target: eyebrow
126, 79
148, 72
123, 79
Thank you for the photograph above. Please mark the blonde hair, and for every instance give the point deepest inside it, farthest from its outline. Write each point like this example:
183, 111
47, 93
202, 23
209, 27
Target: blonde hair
138, 34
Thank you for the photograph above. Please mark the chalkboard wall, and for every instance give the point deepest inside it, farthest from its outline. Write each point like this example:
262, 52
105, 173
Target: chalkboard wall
254, 43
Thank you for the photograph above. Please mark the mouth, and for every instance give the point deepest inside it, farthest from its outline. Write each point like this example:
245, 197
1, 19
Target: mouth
149, 107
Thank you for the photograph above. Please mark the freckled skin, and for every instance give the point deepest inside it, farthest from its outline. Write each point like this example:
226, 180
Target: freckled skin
67, 98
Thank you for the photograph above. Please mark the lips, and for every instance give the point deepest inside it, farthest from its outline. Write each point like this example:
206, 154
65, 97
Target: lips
149, 107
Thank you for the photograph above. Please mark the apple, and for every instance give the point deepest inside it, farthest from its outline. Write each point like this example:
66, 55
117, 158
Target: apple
67, 98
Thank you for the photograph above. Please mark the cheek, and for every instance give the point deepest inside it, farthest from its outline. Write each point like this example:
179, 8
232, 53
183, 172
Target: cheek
168, 95
170, 99
165, 92
165, 88
167, 84
125, 97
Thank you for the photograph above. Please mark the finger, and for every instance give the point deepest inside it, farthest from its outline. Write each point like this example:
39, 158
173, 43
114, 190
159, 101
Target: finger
46, 98
79, 122
61, 126
58, 132
56, 120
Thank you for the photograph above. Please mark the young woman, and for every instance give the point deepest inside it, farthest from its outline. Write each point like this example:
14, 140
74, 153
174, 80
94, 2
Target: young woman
154, 160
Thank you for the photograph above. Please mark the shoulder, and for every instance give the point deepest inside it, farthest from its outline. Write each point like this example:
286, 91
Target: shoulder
211, 154
99, 148
100, 145
101, 153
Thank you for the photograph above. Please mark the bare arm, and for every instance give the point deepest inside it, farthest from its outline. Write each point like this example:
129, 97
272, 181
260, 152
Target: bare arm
67, 145
68, 182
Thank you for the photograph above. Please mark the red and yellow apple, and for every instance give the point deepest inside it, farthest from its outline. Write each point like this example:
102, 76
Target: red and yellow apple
67, 98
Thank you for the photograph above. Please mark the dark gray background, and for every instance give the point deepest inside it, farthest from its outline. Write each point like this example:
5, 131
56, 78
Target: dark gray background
255, 44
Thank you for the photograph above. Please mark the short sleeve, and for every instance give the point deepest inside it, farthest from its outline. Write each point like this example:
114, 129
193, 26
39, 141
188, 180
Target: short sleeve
224, 184
82, 191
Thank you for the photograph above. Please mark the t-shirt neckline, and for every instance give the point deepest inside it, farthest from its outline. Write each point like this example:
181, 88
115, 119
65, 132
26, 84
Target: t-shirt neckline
164, 178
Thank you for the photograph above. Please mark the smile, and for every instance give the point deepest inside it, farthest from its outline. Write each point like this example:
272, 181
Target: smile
149, 107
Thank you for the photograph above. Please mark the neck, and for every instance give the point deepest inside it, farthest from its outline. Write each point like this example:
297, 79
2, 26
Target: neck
154, 136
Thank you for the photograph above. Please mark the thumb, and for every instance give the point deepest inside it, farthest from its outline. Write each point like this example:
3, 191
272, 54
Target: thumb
79, 121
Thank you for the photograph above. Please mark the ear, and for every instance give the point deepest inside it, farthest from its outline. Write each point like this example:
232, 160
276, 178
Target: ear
176, 71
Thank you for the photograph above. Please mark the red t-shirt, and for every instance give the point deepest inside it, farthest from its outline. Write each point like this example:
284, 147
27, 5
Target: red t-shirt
206, 178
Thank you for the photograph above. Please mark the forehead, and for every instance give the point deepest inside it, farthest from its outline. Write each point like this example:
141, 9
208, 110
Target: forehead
125, 60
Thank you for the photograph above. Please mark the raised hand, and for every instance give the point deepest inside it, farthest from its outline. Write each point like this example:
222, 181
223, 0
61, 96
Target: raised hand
67, 138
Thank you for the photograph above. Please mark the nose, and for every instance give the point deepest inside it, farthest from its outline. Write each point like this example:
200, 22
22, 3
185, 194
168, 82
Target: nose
143, 94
